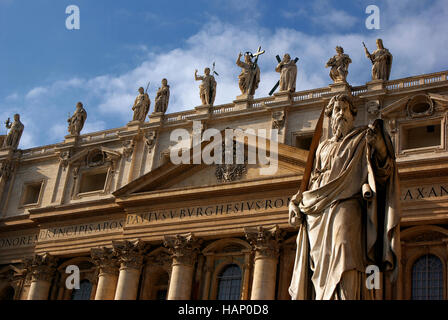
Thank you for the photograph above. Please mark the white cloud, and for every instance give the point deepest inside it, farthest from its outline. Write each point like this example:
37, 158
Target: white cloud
36, 92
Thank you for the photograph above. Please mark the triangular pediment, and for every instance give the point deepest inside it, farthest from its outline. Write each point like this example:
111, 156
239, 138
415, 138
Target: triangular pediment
169, 176
404, 107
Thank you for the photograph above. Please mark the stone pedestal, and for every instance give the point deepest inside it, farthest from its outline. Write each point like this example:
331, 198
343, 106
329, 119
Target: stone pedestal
183, 250
283, 97
243, 101
340, 87
41, 269
134, 125
71, 138
375, 85
203, 109
265, 243
156, 117
107, 266
130, 257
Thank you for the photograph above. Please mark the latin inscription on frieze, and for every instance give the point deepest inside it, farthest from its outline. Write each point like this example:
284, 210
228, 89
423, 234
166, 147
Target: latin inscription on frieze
424, 192
233, 208
79, 230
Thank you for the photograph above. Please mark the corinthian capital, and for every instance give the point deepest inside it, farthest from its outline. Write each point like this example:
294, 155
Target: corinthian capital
105, 260
264, 240
130, 253
41, 267
183, 248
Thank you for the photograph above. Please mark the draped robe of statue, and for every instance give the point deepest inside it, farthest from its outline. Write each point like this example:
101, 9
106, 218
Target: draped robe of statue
76, 121
162, 99
207, 89
341, 230
14, 134
141, 107
249, 78
382, 64
288, 75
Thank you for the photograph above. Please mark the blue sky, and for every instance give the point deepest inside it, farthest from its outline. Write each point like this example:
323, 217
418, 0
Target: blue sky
121, 45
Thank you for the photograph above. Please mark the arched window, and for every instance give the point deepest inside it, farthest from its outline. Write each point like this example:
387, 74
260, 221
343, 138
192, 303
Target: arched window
229, 283
84, 291
427, 278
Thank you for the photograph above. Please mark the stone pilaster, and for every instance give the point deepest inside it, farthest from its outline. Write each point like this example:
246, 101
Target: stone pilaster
265, 244
130, 258
107, 269
183, 250
40, 269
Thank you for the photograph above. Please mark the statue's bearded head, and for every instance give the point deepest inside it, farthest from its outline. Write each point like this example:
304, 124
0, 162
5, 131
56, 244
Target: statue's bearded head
16, 117
342, 112
286, 57
141, 90
207, 71
164, 82
79, 105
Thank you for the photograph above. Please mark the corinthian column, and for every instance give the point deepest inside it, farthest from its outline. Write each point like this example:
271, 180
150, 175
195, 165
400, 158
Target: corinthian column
41, 269
130, 257
183, 250
107, 266
265, 243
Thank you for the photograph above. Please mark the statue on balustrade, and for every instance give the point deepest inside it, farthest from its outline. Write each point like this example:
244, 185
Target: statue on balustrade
381, 60
15, 132
141, 105
162, 97
77, 120
249, 77
288, 73
207, 89
347, 209
339, 66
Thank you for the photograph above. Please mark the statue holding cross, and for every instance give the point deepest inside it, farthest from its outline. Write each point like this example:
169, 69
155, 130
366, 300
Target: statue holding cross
249, 77
288, 74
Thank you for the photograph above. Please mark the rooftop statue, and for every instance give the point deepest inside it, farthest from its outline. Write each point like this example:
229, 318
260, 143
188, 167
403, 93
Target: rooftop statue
288, 73
207, 89
249, 77
339, 65
15, 132
141, 105
162, 97
381, 60
77, 120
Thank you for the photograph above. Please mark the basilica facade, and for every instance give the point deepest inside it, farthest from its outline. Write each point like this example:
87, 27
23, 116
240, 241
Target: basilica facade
138, 226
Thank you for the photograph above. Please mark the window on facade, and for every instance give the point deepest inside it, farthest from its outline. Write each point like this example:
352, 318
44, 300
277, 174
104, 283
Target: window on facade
84, 291
229, 283
428, 135
427, 278
304, 141
92, 181
32, 193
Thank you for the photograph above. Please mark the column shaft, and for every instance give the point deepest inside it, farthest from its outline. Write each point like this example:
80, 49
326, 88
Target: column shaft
127, 286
